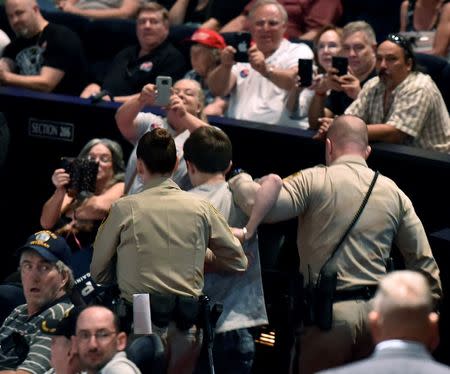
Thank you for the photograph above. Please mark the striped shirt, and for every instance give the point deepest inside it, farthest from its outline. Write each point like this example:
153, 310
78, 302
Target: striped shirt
416, 108
37, 361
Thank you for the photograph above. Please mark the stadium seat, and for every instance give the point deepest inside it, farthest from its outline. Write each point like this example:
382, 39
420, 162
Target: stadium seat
147, 352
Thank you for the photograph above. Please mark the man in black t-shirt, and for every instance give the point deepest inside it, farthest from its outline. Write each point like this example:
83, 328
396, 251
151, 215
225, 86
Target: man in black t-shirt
138, 65
44, 57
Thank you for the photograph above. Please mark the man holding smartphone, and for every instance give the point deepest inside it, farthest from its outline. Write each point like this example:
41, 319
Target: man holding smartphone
359, 46
258, 89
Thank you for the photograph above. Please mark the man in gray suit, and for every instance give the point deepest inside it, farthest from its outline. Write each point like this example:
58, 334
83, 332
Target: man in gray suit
404, 328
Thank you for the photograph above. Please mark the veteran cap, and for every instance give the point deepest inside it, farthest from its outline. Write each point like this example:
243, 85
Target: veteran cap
50, 246
64, 327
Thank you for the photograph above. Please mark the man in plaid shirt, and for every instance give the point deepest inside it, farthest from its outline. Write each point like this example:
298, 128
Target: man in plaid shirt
401, 105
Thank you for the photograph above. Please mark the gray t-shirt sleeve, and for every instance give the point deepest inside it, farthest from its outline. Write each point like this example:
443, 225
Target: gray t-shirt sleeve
144, 122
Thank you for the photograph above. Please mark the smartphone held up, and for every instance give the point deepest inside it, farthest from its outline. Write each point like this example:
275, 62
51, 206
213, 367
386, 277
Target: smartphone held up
163, 87
340, 64
241, 42
305, 72
83, 175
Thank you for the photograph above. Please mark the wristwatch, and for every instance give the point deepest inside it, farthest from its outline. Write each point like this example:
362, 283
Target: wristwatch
244, 232
235, 172
269, 71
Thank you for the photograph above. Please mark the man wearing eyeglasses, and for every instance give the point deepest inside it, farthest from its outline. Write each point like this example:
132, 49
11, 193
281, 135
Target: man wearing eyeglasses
101, 344
46, 280
259, 88
358, 46
138, 65
402, 105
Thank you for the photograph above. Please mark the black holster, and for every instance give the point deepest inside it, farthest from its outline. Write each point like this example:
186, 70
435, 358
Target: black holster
324, 298
183, 310
124, 311
319, 300
162, 309
187, 312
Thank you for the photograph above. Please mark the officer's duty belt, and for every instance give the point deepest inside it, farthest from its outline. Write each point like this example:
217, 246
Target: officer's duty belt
358, 293
183, 310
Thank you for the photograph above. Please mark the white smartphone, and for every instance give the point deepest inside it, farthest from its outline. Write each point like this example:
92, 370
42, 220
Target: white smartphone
163, 86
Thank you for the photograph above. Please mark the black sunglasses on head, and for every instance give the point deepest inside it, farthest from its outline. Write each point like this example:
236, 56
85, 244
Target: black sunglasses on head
403, 43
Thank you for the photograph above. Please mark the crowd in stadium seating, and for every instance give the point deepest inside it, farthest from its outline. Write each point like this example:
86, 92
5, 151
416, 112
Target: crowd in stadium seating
124, 231
270, 74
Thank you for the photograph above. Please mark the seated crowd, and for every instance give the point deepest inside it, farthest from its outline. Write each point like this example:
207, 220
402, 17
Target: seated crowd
171, 224
400, 103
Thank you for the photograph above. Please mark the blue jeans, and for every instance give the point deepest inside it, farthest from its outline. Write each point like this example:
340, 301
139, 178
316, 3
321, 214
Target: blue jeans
233, 352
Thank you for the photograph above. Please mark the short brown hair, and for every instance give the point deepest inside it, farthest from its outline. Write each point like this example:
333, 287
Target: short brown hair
154, 7
209, 149
157, 150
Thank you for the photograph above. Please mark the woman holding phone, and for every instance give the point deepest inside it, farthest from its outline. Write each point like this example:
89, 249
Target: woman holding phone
328, 43
329, 46
77, 216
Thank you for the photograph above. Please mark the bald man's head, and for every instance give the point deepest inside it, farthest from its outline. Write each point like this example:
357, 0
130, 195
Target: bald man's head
8, 3
347, 135
24, 17
98, 337
403, 309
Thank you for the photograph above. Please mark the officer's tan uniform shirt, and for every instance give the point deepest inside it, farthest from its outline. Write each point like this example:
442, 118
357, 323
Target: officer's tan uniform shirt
326, 199
160, 238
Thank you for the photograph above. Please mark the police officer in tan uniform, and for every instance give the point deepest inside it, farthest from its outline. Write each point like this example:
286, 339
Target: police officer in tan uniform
326, 198
160, 237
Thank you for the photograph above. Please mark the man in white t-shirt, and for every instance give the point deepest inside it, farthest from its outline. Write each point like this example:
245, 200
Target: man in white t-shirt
259, 89
4, 41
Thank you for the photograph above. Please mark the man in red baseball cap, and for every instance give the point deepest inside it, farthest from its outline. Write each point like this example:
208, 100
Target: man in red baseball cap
205, 56
209, 38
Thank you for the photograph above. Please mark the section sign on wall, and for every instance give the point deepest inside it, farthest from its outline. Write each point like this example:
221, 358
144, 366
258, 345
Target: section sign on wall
50, 129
